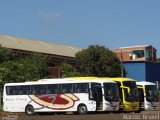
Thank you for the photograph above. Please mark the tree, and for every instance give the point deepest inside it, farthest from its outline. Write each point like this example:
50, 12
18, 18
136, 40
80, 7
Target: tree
30, 68
68, 71
98, 61
5, 54
35, 67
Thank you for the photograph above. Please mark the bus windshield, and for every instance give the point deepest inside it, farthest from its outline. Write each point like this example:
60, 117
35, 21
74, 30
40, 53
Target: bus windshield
151, 93
111, 92
131, 96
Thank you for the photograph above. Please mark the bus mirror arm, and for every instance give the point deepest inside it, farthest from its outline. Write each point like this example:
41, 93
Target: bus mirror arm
128, 89
139, 87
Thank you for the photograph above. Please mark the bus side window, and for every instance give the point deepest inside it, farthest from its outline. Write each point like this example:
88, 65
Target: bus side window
81, 88
47, 90
57, 89
67, 88
38, 89
52, 89
33, 91
26, 89
64, 91
15, 90
9, 90
20, 90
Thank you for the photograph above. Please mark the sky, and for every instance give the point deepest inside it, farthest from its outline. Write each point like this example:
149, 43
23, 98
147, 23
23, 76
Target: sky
111, 23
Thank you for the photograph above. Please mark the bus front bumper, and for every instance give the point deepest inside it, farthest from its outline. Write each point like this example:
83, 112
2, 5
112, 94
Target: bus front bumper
151, 106
111, 106
131, 106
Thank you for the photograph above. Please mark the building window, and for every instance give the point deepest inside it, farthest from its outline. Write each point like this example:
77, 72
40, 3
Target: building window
147, 54
137, 54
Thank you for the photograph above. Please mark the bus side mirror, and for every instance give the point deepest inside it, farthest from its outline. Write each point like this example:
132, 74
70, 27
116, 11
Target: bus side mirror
128, 89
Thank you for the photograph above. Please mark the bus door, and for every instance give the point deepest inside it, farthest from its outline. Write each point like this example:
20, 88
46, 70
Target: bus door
141, 97
120, 95
97, 95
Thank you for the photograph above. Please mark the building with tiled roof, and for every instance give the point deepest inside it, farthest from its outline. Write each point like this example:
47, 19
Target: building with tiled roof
136, 53
57, 53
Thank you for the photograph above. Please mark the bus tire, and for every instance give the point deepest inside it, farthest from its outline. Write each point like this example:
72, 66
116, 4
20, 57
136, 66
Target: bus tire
82, 109
29, 110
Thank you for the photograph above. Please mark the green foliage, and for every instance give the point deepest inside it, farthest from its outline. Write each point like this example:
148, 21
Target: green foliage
35, 67
5, 54
29, 68
98, 61
68, 71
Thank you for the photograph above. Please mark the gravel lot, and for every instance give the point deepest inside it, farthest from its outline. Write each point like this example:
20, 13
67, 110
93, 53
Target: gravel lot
150, 115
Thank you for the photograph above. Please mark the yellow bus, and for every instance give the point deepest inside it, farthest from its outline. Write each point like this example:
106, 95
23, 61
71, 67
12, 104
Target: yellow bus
128, 94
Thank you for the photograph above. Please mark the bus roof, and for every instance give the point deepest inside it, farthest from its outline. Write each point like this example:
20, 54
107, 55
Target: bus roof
89, 79
59, 81
145, 83
102, 78
79, 78
120, 79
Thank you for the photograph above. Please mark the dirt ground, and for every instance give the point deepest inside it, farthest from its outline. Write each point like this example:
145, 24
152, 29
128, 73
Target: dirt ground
150, 115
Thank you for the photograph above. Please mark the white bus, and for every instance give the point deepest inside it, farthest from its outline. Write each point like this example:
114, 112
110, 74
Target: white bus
148, 95
105, 92
59, 95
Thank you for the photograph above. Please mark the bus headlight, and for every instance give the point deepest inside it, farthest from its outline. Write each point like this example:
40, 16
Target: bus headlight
149, 104
108, 104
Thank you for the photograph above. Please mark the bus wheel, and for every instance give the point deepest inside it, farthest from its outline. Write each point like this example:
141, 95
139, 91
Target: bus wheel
29, 110
82, 109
